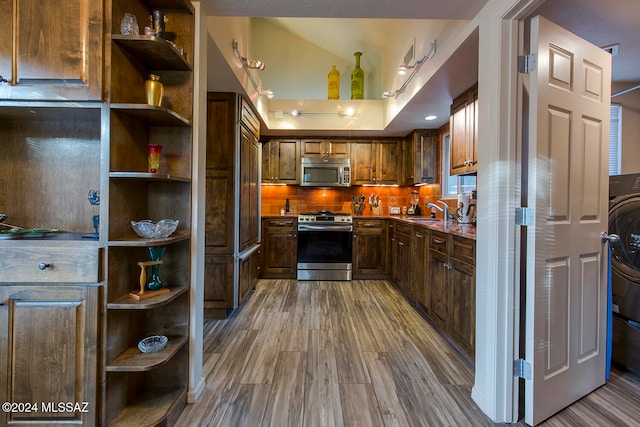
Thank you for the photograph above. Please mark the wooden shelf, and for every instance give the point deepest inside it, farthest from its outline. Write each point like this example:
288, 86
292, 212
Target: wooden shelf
148, 176
126, 303
155, 116
178, 236
151, 408
170, 5
154, 52
133, 360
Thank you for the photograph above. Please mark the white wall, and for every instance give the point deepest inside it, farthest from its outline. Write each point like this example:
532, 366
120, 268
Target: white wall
630, 102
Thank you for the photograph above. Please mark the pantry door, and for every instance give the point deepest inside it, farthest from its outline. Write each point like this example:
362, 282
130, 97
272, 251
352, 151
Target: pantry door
566, 263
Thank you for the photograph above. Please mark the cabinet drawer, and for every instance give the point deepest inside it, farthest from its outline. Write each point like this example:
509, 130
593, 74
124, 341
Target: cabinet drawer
439, 242
372, 226
463, 249
280, 224
404, 228
60, 264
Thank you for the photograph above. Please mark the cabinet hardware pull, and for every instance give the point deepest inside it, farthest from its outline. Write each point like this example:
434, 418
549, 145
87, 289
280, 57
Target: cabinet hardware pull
43, 266
438, 241
3, 80
400, 243
369, 225
419, 236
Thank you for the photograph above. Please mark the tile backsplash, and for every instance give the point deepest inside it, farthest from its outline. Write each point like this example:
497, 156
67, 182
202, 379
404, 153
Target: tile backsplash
304, 199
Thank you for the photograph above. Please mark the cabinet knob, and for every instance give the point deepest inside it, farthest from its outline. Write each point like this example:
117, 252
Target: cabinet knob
43, 266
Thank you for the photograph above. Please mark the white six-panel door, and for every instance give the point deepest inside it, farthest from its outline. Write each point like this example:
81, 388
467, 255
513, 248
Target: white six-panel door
566, 277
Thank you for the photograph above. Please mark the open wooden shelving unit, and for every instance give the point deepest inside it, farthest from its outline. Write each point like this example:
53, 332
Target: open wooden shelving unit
148, 388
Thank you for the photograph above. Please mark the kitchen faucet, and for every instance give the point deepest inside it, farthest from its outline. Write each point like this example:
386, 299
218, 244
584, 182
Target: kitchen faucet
444, 210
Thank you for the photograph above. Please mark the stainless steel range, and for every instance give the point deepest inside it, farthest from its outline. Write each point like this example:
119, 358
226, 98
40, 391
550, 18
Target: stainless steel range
324, 246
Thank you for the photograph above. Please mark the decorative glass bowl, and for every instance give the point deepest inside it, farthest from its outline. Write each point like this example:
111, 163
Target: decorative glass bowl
155, 230
153, 344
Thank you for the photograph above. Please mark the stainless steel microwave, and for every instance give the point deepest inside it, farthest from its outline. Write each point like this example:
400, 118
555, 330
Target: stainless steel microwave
324, 172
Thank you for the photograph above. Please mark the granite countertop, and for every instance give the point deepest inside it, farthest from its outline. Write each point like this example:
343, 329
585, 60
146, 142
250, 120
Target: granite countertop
452, 227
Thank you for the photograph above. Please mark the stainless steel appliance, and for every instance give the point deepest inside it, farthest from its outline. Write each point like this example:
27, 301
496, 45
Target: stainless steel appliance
324, 246
325, 172
624, 220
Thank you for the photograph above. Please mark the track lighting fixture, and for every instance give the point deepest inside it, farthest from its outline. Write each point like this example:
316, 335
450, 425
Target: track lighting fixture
404, 68
247, 66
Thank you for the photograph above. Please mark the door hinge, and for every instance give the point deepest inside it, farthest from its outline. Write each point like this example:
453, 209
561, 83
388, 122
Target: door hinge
524, 216
527, 63
522, 369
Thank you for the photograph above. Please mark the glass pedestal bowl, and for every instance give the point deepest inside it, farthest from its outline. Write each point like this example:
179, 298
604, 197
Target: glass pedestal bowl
155, 230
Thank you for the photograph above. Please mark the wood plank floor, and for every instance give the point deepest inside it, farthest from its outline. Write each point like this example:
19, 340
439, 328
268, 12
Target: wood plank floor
353, 354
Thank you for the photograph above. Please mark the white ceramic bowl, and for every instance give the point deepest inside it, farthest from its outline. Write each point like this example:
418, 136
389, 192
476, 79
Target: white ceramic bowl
154, 230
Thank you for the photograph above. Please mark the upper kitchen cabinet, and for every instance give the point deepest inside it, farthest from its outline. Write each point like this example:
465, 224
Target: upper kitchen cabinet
464, 133
421, 157
281, 161
330, 148
51, 50
376, 162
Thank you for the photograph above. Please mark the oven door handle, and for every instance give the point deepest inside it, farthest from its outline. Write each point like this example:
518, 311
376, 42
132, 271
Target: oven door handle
323, 227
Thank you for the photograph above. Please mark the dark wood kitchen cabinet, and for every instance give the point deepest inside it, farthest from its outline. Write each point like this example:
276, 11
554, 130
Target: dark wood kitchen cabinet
376, 162
400, 251
281, 161
231, 225
280, 248
369, 248
463, 146
420, 154
54, 48
451, 283
332, 148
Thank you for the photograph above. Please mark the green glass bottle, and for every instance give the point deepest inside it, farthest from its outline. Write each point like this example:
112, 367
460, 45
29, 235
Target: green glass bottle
357, 79
333, 81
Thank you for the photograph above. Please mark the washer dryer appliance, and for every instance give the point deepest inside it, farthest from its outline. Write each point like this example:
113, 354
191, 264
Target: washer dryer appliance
624, 220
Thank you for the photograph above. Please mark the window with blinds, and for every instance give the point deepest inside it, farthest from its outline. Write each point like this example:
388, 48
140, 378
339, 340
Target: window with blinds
615, 139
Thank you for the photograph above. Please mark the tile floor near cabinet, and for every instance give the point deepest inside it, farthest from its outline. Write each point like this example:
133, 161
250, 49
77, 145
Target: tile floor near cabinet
353, 354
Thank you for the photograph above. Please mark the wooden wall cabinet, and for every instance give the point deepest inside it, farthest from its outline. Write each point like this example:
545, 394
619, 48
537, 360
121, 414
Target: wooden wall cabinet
376, 162
281, 161
232, 204
463, 146
280, 243
331, 148
53, 51
420, 155
369, 248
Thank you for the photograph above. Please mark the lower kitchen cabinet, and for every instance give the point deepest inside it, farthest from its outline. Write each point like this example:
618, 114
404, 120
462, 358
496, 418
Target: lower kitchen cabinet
280, 248
249, 271
369, 248
400, 247
218, 285
49, 338
419, 270
451, 286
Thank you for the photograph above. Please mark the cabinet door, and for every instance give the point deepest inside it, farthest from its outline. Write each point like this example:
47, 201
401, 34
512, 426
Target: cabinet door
248, 270
338, 149
363, 159
218, 285
438, 287
427, 157
458, 146
419, 253
249, 200
313, 148
280, 257
52, 51
48, 352
462, 305
369, 249
389, 158
288, 161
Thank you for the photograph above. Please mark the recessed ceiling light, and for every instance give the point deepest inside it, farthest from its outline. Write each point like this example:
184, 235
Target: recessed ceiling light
431, 117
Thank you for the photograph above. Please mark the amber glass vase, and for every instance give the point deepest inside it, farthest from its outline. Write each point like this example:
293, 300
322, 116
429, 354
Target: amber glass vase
333, 82
357, 79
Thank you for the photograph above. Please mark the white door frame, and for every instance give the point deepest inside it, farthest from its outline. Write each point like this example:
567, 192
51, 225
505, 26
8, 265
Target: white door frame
495, 389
